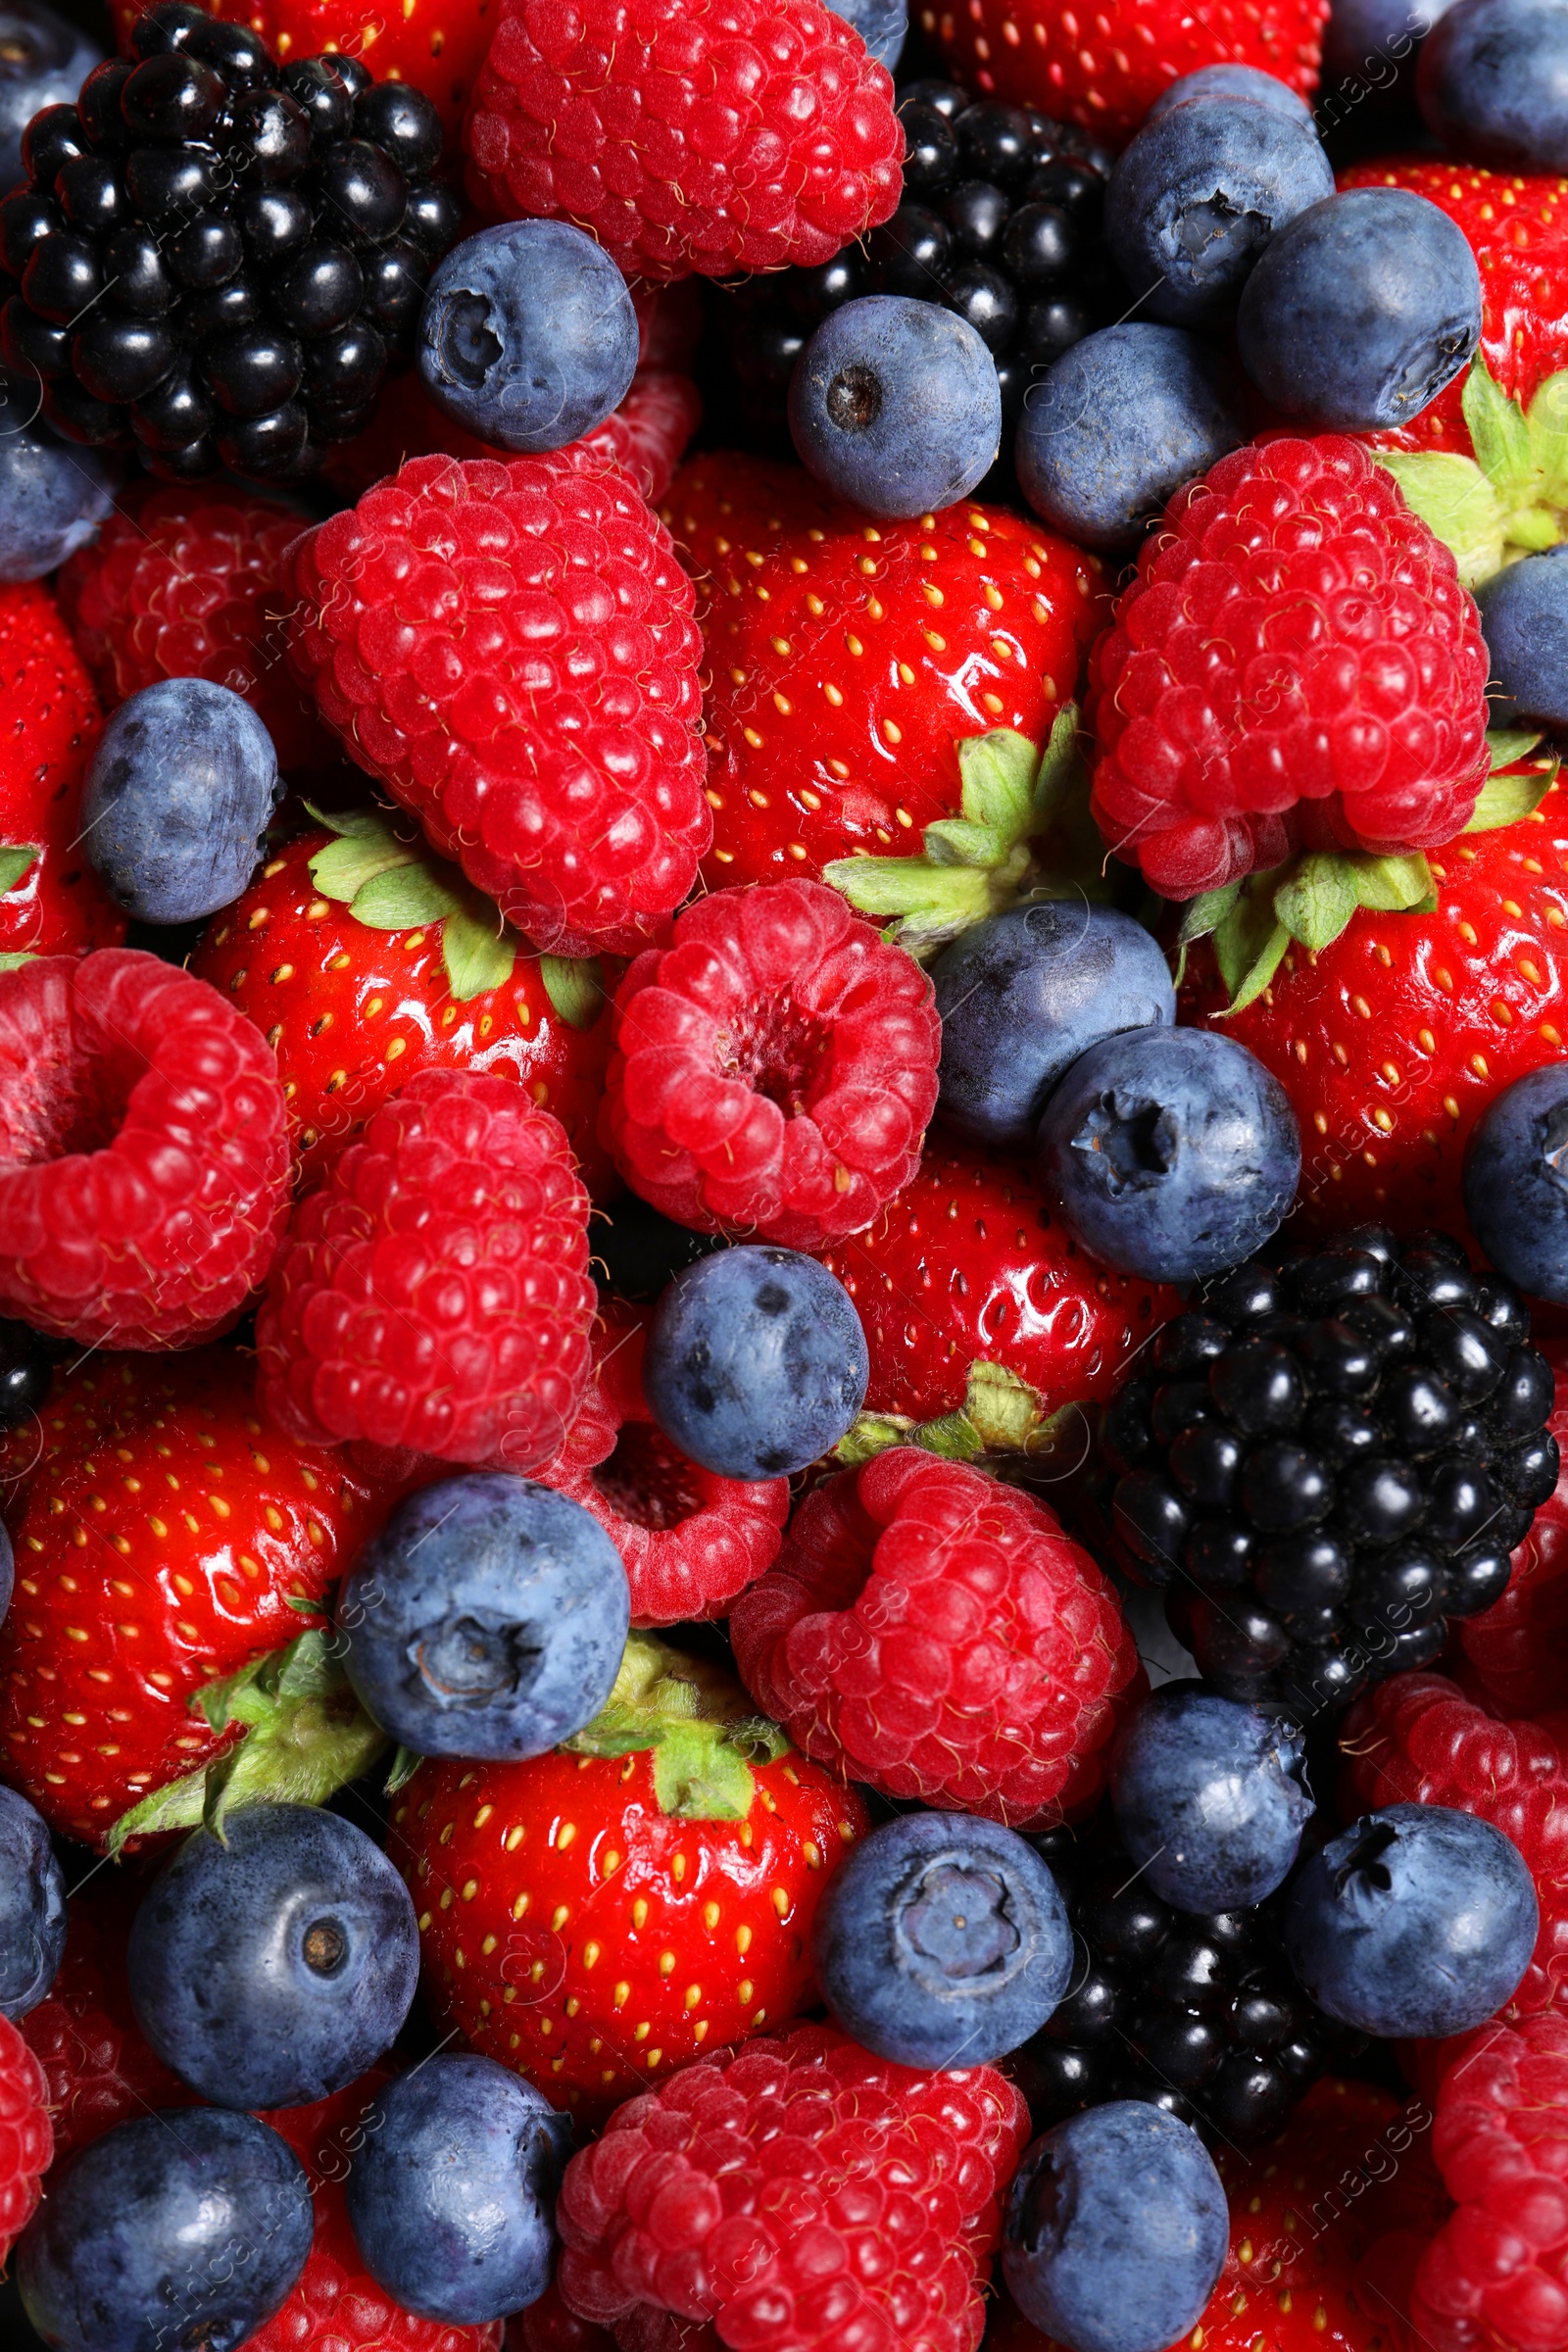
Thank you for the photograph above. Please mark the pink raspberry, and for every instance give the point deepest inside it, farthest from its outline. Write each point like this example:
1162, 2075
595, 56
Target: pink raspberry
775, 1068
689, 136
143, 1151
937, 1634
510, 647
800, 2193
1295, 664
26, 2143
436, 1296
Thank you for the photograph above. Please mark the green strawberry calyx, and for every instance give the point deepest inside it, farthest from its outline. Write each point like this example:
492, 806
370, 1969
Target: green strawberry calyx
14, 860
1000, 1415
1511, 498
694, 1722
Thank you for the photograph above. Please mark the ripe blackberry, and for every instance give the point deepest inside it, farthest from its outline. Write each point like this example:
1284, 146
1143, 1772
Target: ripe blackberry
1197, 2014
1329, 1456
217, 257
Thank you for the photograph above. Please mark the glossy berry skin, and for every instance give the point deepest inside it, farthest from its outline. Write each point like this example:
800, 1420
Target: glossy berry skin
452, 2195
1493, 87
177, 800
1313, 773
578, 810
55, 904
775, 138
98, 2065
903, 1636
1415, 1920
435, 1293
910, 2159
139, 1217
46, 62
1515, 1650
895, 406
54, 498
774, 1068
1511, 1196
486, 1619
940, 1943
1208, 1798
135, 2231
756, 1363
33, 1908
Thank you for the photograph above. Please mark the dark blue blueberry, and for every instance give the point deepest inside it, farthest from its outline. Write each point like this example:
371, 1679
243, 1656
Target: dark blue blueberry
1370, 49
185, 2227
1197, 196
52, 499
1118, 424
1023, 995
486, 1619
756, 1362
452, 2198
32, 1906
1524, 618
1516, 1182
43, 62
177, 800
1417, 1920
527, 337
1492, 83
1361, 309
882, 25
941, 1941
1170, 1152
1116, 2230
1231, 81
272, 1968
1207, 1799
894, 404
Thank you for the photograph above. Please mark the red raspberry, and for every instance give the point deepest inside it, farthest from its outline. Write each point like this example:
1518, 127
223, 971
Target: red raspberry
690, 1540
143, 1151
1497, 2274
98, 2067
1517, 1650
435, 1293
53, 903
188, 581
510, 647
687, 136
774, 1069
1294, 665
549, 2326
937, 1634
801, 2194
26, 2143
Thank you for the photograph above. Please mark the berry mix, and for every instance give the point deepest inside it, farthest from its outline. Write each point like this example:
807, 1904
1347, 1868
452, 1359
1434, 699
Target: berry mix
783, 1177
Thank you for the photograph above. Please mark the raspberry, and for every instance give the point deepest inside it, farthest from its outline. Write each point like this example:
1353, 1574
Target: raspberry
1294, 665
802, 2195
938, 1636
435, 1294
56, 905
144, 1160
774, 1069
99, 2068
549, 2326
687, 136
187, 582
510, 647
26, 2143
1517, 1650
1496, 2272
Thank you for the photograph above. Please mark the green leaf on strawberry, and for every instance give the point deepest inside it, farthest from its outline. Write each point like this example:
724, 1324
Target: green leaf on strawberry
697, 1724
391, 884
575, 987
1000, 1414
14, 860
1511, 498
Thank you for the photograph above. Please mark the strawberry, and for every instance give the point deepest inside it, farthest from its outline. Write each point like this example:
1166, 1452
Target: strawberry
50, 901
365, 959
612, 1910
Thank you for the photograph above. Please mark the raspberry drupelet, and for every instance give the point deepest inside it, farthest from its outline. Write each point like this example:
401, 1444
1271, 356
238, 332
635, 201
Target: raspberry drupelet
26, 2143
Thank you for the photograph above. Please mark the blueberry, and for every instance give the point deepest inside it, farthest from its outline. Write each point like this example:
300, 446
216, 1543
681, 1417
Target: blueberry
756, 1362
43, 62
33, 1907
271, 1969
1417, 1920
1170, 1152
1023, 995
486, 1619
894, 404
882, 25
1118, 424
1492, 83
1361, 309
1373, 45
52, 498
941, 1941
528, 338
1198, 193
1207, 1799
453, 2191
1116, 2230
1231, 81
1516, 1182
177, 800
188, 2227
1524, 618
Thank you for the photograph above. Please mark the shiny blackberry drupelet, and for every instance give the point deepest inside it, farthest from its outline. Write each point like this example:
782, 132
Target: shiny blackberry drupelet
1328, 1456
217, 257
1199, 2015
1000, 221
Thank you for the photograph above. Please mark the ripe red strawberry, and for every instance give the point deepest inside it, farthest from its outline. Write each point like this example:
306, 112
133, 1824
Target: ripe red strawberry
847, 659
511, 649
50, 900
1517, 1650
597, 1916
163, 1539
687, 138
99, 2067
26, 2143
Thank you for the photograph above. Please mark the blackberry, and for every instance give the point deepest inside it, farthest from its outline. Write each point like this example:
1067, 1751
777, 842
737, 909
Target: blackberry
1329, 1456
1199, 2014
217, 257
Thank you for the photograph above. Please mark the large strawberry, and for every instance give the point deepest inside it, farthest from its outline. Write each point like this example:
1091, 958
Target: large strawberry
365, 959
50, 900
599, 1915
